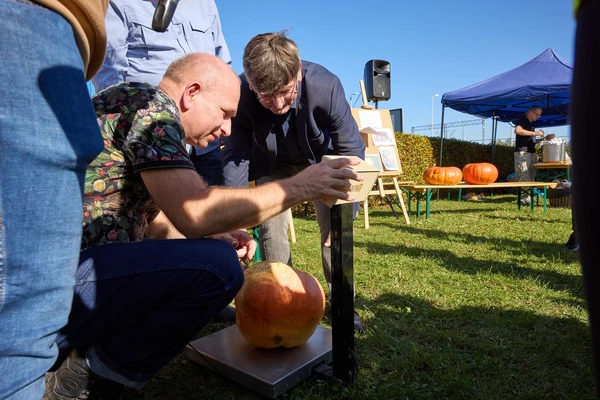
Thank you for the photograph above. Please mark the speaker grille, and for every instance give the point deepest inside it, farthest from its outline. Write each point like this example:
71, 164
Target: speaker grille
377, 80
381, 87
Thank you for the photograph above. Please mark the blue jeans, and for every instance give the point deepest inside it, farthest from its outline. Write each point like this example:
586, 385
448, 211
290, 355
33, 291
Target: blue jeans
48, 135
137, 305
208, 166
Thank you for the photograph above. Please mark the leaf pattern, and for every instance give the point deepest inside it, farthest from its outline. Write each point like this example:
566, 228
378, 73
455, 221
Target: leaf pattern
142, 130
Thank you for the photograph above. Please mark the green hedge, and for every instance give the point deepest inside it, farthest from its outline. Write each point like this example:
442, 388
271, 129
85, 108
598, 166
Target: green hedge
417, 153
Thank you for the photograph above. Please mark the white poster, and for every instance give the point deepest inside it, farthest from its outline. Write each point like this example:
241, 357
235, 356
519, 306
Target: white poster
370, 119
389, 158
374, 160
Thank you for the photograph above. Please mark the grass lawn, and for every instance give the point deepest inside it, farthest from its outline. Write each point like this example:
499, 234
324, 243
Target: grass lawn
481, 301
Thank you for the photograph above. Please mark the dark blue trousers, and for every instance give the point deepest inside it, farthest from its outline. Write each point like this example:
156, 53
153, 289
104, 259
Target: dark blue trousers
137, 305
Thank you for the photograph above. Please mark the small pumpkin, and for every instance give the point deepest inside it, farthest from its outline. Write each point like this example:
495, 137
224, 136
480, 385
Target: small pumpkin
442, 175
480, 173
278, 306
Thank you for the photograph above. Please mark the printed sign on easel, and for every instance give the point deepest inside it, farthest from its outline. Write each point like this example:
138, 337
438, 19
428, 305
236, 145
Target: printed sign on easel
376, 130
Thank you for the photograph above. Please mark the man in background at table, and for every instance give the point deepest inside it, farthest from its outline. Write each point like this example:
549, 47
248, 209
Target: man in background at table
136, 53
291, 113
525, 154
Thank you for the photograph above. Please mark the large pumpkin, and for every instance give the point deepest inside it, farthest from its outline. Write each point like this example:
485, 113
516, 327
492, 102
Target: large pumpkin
442, 175
480, 173
278, 305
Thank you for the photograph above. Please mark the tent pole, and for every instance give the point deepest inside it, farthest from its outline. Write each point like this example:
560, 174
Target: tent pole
494, 135
494, 127
442, 134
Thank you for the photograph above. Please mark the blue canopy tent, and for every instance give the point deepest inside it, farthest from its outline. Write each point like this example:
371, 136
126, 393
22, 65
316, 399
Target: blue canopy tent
544, 81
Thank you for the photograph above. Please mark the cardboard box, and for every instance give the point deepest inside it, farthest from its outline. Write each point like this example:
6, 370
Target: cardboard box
359, 190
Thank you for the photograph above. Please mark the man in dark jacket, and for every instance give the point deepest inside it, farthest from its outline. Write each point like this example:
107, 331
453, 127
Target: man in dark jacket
291, 113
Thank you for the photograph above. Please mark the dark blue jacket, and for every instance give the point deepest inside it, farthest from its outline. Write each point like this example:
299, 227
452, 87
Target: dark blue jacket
324, 125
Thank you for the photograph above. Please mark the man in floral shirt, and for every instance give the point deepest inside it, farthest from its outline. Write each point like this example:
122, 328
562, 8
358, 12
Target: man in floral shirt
117, 205
139, 302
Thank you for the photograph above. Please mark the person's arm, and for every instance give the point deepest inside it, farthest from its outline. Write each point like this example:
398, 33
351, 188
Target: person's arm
345, 137
197, 210
221, 49
245, 246
519, 130
162, 228
114, 68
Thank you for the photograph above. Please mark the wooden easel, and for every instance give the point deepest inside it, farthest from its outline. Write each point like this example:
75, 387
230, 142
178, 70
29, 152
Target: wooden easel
387, 183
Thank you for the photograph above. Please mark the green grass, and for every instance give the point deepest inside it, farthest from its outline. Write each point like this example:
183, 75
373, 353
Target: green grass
481, 301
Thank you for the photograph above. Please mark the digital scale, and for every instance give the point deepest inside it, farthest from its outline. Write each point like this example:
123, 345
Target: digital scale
268, 372
329, 351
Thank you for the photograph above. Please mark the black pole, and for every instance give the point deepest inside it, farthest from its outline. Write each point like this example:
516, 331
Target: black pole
494, 136
345, 366
442, 134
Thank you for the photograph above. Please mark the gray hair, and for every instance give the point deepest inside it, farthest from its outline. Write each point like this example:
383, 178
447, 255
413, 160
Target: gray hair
271, 61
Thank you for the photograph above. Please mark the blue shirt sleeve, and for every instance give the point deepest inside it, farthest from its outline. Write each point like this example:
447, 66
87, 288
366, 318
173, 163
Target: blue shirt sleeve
137, 53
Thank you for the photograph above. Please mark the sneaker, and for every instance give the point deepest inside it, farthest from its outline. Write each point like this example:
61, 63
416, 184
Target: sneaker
227, 314
572, 243
358, 324
74, 380
525, 201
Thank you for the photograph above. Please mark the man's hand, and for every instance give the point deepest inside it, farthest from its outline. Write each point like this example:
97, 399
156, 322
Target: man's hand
243, 243
328, 179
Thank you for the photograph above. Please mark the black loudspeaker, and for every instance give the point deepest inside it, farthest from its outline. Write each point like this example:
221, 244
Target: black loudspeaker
377, 80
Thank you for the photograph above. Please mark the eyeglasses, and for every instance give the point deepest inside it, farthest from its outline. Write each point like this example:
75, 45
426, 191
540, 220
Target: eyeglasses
285, 94
536, 114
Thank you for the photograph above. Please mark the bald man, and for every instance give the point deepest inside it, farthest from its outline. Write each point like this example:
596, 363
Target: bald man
139, 302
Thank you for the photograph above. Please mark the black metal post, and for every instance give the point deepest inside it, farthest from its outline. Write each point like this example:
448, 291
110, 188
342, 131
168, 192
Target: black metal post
441, 141
494, 133
442, 134
342, 294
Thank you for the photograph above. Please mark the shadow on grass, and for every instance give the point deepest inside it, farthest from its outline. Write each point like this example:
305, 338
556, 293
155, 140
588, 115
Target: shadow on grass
415, 350
459, 207
524, 217
466, 263
411, 349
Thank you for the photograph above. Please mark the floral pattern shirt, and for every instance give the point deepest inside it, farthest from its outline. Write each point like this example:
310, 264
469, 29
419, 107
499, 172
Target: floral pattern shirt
142, 130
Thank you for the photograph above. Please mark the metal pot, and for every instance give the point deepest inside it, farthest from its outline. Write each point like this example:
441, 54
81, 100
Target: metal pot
554, 152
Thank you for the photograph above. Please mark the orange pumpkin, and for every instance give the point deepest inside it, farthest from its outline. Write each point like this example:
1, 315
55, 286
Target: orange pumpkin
442, 175
480, 173
278, 305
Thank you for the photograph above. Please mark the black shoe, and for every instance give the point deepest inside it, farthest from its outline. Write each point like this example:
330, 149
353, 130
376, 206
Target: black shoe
74, 380
358, 324
572, 243
226, 315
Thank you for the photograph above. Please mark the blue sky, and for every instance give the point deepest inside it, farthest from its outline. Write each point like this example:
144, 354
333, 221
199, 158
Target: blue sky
432, 46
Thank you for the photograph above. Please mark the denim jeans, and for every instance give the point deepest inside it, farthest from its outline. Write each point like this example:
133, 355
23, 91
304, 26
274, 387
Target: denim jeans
48, 135
137, 305
208, 166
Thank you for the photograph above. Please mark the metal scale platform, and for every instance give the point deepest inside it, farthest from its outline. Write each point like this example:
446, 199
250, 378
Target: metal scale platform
273, 372
267, 372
